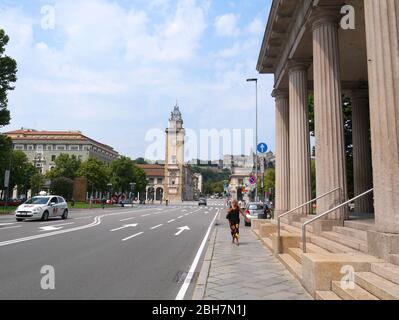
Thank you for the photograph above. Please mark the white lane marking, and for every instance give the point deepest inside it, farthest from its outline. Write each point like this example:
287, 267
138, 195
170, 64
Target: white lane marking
180, 217
82, 218
125, 227
173, 220
133, 236
186, 214
97, 221
182, 229
55, 227
153, 228
13, 227
187, 281
146, 215
127, 219
7, 224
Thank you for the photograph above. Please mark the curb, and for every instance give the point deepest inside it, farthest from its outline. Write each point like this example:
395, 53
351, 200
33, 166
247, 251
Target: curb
202, 280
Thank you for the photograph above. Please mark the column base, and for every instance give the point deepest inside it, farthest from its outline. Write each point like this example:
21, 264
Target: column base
382, 245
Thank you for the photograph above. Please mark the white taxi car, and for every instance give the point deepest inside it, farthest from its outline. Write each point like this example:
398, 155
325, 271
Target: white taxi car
42, 208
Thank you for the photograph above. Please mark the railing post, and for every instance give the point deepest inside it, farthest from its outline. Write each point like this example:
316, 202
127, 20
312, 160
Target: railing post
304, 238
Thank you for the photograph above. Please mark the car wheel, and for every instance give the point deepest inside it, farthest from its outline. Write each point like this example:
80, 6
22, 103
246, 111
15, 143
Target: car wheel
45, 216
19, 220
65, 215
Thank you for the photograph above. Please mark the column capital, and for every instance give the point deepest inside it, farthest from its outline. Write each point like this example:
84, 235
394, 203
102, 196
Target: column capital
325, 15
280, 94
298, 65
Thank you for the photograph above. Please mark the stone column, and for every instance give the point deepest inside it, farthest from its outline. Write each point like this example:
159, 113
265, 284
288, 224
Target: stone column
282, 153
300, 179
330, 148
382, 26
362, 168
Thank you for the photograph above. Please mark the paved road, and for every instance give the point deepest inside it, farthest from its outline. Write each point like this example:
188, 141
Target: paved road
121, 253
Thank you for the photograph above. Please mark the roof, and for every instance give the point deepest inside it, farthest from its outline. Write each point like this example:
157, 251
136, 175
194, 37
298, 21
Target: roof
153, 170
31, 134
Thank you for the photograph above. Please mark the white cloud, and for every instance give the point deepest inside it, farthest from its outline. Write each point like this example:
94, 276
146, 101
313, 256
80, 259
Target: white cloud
226, 25
257, 26
109, 65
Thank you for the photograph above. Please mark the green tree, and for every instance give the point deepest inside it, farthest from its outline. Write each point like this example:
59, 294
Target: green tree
65, 166
8, 76
63, 187
36, 183
140, 161
124, 172
96, 173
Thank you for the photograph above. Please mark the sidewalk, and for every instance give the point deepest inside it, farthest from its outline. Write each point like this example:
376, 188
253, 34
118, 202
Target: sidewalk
247, 272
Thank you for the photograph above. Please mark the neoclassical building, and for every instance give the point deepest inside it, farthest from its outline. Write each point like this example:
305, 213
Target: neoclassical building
308, 50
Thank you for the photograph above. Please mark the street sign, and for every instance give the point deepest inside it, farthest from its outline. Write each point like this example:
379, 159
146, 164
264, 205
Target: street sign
7, 179
262, 147
252, 180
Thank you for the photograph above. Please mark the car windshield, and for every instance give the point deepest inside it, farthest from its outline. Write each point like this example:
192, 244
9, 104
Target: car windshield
255, 207
38, 200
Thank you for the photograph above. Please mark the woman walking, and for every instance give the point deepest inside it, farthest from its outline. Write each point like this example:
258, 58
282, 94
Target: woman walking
233, 216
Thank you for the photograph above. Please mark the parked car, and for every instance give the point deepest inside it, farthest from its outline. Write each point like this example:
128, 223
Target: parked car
42, 208
202, 202
254, 210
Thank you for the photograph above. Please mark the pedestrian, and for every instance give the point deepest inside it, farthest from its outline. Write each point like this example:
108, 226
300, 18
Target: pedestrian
233, 215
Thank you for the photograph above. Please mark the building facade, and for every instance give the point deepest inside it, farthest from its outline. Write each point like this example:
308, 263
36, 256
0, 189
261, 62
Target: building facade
156, 177
310, 49
43, 147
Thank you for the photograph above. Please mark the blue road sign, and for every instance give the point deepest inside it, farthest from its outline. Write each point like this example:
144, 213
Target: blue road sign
262, 147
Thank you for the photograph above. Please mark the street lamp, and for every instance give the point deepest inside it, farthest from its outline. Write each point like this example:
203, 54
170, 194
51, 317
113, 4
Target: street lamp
132, 189
256, 146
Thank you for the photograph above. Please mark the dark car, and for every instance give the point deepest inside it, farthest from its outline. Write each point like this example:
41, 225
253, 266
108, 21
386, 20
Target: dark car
202, 202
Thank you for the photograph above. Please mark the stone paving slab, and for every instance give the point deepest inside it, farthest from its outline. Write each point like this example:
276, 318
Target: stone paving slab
247, 272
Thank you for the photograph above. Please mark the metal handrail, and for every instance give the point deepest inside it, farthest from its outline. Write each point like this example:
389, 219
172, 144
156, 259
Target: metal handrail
326, 213
302, 205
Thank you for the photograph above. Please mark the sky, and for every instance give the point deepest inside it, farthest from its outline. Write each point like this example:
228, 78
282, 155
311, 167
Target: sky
114, 69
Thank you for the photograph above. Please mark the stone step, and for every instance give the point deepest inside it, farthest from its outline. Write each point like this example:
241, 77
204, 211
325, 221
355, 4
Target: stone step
326, 295
377, 286
346, 241
394, 258
291, 229
387, 271
331, 246
292, 265
357, 293
363, 225
309, 228
350, 232
312, 248
296, 253
267, 242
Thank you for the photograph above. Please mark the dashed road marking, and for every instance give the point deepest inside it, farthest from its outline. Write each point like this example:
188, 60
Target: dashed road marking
156, 227
133, 236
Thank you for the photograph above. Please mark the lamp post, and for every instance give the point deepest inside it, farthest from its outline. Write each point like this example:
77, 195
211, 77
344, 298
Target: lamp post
256, 143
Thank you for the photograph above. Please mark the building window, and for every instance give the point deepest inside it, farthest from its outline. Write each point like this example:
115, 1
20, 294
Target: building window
53, 158
151, 180
19, 147
173, 159
49, 148
160, 181
61, 148
30, 148
74, 148
39, 148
